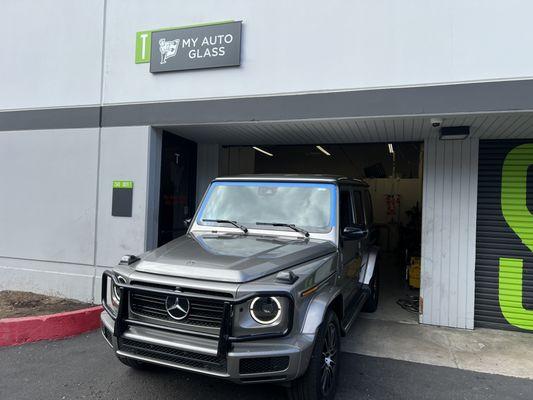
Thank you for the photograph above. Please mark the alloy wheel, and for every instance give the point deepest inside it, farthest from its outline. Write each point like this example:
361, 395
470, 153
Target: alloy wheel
329, 359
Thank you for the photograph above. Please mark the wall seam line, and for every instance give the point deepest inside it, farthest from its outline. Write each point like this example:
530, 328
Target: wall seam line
98, 160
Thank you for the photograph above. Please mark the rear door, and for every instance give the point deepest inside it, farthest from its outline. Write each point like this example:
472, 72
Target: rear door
361, 244
369, 217
350, 249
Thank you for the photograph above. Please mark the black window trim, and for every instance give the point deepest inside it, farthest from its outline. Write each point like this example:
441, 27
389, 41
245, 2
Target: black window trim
354, 207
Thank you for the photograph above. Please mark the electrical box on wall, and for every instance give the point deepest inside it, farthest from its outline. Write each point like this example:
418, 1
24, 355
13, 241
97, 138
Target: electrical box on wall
122, 199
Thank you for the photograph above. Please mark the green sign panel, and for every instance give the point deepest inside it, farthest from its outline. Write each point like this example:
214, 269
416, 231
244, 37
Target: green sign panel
143, 40
122, 184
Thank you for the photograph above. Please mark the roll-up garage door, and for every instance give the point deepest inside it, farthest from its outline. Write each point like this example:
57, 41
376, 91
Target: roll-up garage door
504, 248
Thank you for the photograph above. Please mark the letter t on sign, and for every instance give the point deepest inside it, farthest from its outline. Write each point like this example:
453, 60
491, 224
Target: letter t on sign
143, 45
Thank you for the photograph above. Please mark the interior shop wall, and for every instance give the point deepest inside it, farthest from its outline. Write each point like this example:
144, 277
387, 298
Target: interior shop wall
207, 167
236, 160
406, 194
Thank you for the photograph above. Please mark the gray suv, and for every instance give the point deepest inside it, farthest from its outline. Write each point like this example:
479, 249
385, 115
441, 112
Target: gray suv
272, 272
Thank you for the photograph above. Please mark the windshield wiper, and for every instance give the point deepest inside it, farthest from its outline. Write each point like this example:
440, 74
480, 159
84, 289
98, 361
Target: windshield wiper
227, 221
291, 226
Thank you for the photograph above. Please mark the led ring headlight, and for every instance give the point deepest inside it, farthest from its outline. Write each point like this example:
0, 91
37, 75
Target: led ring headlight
265, 310
115, 291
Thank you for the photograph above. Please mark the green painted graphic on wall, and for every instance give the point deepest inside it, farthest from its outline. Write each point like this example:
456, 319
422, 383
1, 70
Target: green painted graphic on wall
520, 219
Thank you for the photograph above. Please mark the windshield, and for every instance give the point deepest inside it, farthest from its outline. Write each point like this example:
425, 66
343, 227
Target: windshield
310, 206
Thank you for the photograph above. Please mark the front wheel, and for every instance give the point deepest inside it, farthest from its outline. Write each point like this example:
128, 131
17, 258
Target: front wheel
320, 380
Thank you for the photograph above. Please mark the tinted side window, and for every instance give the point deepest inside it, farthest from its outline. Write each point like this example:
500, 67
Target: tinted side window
345, 212
369, 211
358, 204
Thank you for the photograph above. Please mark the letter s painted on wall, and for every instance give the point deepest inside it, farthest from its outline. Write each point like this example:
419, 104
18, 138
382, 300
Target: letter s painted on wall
520, 220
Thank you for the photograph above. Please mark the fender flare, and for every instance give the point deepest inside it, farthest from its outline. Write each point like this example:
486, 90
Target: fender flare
371, 264
318, 307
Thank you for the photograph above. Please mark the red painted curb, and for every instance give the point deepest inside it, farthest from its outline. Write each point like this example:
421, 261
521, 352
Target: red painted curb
15, 331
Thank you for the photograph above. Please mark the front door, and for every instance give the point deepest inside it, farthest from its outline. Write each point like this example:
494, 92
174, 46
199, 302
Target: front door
177, 200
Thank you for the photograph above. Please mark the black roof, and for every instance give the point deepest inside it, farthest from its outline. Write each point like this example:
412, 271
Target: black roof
295, 178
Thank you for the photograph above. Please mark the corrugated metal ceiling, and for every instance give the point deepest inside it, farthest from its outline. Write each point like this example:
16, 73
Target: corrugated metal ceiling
483, 126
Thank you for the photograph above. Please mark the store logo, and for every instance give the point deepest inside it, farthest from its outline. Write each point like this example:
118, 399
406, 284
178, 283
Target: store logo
202, 46
168, 49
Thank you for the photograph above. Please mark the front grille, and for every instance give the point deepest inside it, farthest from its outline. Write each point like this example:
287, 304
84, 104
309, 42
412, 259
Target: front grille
203, 312
264, 364
179, 357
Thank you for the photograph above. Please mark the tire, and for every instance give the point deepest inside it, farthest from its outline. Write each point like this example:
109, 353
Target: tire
371, 304
319, 382
135, 364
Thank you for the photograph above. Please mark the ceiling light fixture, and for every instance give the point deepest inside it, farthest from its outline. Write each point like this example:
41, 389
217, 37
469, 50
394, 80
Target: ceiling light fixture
454, 132
391, 148
263, 151
323, 150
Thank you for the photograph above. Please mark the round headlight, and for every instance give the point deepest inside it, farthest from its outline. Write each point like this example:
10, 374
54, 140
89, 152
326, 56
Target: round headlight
115, 294
265, 310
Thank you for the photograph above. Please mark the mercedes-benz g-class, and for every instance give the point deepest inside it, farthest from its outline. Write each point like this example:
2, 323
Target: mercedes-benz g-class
272, 272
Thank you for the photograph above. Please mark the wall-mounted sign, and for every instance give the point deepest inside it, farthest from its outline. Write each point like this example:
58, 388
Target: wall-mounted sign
143, 40
122, 202
206, 46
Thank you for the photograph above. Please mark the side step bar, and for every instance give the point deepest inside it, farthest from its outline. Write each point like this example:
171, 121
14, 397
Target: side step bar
355, 308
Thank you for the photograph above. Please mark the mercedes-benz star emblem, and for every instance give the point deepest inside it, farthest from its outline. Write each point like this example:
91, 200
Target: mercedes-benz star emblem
177, 307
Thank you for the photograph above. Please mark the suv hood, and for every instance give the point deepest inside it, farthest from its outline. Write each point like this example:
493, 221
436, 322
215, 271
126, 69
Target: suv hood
232, 258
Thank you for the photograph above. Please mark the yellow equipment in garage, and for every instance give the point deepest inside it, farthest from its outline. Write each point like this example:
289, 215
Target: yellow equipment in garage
414, 272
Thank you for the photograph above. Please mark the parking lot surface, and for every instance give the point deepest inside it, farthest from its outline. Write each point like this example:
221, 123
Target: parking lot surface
85, 368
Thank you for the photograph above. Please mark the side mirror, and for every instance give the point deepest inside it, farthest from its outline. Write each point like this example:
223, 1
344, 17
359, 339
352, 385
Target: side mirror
187, 222
354, 233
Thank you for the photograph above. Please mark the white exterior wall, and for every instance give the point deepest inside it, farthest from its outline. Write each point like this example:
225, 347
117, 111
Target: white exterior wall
124, 155
51, 53
449, 232
53, 49
47, 210
308, 45
52, 239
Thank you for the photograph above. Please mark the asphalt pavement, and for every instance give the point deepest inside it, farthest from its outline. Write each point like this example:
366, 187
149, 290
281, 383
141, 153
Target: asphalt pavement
85, 368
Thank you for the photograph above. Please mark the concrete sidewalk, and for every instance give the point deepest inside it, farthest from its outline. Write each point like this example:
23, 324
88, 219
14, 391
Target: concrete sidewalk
481, 350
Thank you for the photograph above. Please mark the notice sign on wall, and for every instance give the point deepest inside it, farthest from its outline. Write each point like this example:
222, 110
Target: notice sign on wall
121, 205
208, 46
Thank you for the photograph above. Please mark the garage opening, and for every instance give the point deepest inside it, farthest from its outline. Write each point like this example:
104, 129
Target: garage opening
393, 172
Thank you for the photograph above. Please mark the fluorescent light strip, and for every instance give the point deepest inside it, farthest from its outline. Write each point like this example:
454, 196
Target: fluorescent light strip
263, 151
391, 148
323, 150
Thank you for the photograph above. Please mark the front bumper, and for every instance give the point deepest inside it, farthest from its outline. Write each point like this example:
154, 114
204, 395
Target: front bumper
263, 360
